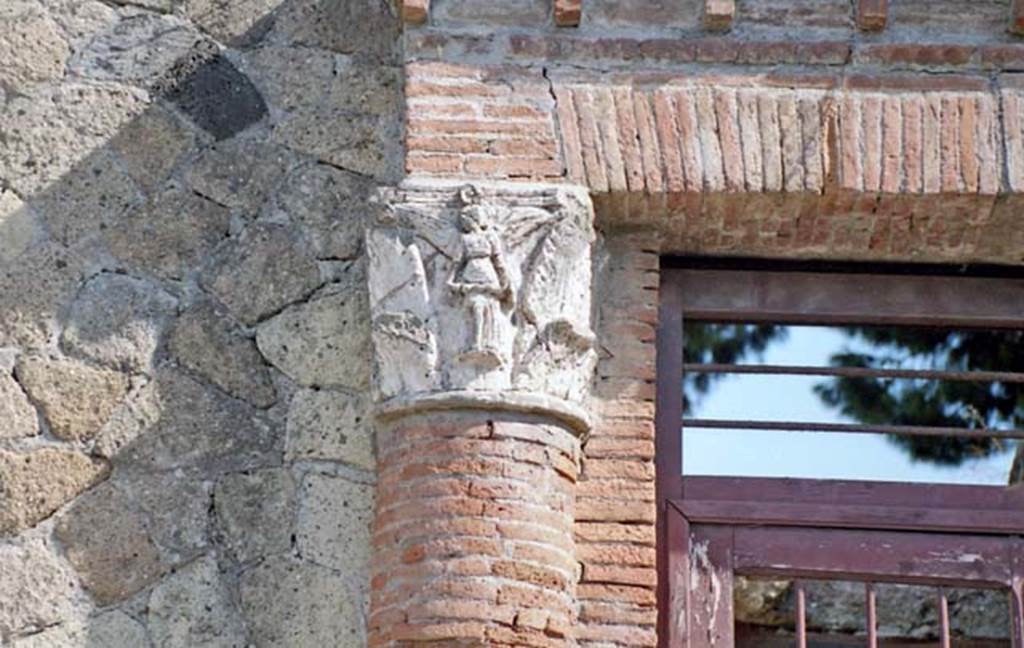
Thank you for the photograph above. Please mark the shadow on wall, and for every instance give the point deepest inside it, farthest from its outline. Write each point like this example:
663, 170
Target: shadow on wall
185, 451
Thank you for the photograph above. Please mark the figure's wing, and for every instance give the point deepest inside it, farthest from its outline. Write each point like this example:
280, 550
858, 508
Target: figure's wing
523, 228
550, 292
438, 228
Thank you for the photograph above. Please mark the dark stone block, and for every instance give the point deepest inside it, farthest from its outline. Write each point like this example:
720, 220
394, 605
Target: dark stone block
212, 92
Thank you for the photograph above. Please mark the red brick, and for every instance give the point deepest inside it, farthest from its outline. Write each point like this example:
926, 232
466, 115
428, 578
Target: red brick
597, 468
524, 147
425, 107
915, 54
592, 509
616, 447
415, 163
872, 15
531, 573
728, 132
508, 167
415, 11
912, 140
419, 88
559, 536
969, 148
718, 14
467, 126
916, 82
623, 489
424, 144
545, 555
642, 576
522, 637
611, 147
628, 635
615, 532
1002, 56
617, 614
568, 125
652, 147
1017, 17
567, 12
438, 631
616, 554
448, 608
629, 138
625, 429
892, 147
871, 114
626, 409
531, 596
951, 179
435, 69
667, 140
616, 593
597, 177
446, 547
514, 111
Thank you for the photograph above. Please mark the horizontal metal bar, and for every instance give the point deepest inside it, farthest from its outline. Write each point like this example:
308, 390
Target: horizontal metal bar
857, 372
852, 428
839, 298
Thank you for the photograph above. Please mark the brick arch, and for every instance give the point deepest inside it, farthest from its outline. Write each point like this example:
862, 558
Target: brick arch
881, 167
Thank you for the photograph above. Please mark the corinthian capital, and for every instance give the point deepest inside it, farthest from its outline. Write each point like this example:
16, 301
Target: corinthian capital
481, 298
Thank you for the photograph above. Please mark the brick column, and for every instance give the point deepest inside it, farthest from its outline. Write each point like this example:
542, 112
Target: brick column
474, 535
481, 301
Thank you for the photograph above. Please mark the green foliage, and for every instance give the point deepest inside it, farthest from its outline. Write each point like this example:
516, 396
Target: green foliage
969, 405
885, 401
723, 344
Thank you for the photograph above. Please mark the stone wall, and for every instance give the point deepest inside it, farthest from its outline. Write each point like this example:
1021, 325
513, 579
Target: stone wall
209, 310
186, 452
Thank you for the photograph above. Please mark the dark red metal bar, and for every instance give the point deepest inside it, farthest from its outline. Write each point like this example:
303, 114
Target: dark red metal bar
847, 298
857, 372
1017, 612
854, 504
673, 541
852, 428
845, 554
675, 607
801, 615
871, 608
944, 637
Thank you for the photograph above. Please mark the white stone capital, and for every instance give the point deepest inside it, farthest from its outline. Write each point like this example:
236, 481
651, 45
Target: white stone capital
481, 298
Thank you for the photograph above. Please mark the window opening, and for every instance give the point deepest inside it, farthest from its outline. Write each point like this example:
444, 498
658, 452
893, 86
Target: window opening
832, 436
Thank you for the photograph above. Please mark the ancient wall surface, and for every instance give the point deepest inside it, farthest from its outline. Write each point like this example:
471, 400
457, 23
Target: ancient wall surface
792, 132
821, 130
186, 452
331, 322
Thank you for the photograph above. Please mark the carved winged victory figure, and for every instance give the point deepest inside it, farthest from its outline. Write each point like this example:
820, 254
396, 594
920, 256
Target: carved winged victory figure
480, 278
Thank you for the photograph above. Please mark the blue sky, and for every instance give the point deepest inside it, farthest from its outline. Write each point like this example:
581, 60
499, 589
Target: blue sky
753, 453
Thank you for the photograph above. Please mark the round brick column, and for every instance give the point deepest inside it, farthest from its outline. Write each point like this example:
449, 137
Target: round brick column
473, 540
484, 357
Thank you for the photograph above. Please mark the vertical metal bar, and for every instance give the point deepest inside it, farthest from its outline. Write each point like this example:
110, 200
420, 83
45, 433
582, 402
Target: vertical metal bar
1017, 612
1017, 592
676, 575
801, 615
944, 639
871, 605
668, 453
